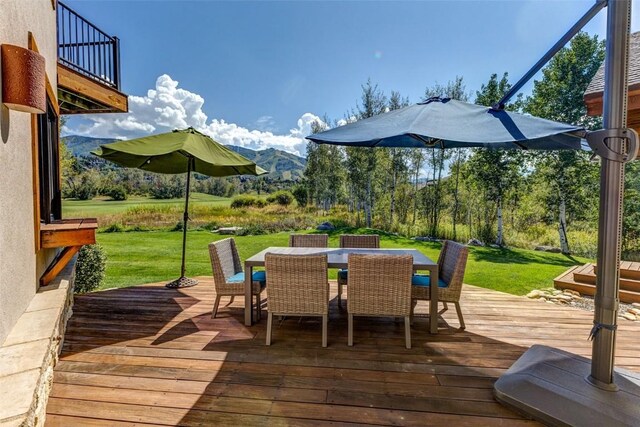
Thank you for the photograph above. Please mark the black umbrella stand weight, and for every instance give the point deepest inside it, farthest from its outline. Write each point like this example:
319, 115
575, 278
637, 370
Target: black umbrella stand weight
184, 282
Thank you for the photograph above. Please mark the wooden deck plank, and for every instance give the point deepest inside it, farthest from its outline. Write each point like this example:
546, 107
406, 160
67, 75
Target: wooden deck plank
150, 356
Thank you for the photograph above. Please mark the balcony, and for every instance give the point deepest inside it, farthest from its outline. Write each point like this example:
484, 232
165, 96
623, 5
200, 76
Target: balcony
88, 67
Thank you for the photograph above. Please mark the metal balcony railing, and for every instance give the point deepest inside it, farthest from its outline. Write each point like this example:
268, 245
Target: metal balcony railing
85, 48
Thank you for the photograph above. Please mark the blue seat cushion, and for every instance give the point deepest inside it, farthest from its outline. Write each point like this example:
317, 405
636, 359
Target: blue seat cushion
342, 273
258, 276
424, 280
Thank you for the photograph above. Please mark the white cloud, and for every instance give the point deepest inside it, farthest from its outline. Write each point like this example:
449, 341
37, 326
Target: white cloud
265, 123
169, 107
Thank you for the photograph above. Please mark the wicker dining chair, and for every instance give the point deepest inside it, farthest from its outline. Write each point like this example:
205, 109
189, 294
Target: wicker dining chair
297, 285
380, 285
359, 241
308, 240
228, 276
451, 267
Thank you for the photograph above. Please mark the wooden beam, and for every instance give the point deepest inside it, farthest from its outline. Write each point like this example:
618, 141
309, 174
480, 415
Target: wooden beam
59, 239
91, 89
35, 178
594, 101
59, 264
72, 103
70, 232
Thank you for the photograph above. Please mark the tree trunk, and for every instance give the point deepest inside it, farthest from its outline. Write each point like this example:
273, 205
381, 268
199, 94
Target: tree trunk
469, 221
415, 193
436, 198
455, 195
562, 227
394, 179
367, 204
432, 191
499, 237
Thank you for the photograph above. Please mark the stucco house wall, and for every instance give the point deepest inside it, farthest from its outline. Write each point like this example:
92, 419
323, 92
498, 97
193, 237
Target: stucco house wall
21, 265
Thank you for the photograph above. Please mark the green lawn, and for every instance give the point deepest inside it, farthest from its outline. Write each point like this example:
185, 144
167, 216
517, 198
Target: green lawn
101, 206
144, 257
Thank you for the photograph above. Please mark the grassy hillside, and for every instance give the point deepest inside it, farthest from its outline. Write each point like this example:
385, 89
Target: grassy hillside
84, 145
277, 162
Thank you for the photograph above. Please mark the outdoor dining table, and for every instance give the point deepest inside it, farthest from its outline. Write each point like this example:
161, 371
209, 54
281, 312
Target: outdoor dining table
338, 258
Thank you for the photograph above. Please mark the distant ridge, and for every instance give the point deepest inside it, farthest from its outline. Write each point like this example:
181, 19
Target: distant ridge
81, 146
280, 164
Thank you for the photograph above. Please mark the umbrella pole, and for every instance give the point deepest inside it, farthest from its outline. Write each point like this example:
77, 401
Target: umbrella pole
185, 218
611, 197
183, 281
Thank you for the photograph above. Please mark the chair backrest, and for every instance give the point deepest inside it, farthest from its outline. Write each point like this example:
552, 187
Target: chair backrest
225, 261
297, 284
360, 241
380, 285
452, 264
309, 240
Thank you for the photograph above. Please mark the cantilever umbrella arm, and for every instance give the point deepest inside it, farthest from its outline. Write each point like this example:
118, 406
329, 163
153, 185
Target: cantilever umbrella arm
593, 11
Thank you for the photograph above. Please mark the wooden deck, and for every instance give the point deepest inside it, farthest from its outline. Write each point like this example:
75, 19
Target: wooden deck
148, 355
582, 278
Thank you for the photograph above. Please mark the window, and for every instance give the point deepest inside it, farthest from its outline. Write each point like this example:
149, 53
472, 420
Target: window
49, 165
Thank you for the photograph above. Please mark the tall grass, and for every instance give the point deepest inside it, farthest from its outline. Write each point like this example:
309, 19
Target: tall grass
582, 238
275, 218
265, 220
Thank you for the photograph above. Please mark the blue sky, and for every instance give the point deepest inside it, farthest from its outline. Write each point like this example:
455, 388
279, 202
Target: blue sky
258, 73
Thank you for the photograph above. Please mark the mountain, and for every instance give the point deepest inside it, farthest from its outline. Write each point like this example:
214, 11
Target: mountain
81, 146
280, 164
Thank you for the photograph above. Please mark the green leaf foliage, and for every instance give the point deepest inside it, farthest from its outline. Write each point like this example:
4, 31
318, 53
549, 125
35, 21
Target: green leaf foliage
90, 268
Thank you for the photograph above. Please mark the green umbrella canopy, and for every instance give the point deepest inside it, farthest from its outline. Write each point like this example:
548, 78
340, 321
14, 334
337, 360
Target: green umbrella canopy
170, 152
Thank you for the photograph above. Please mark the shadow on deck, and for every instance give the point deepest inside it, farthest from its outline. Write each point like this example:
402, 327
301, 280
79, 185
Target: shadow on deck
149, 355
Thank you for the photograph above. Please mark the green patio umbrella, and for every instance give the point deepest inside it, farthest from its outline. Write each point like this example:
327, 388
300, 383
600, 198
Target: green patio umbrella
180, 151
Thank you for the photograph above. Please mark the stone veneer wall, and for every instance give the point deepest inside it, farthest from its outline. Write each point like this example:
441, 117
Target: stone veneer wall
30, 353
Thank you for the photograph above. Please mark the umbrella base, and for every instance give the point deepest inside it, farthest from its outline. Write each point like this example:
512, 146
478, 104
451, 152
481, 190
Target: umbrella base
552, 386
183, 282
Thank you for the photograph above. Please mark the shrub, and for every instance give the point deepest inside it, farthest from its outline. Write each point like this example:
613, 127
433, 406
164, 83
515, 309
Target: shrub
87, 186
210, 226
252, 230
114, 228
117, 192
89, 268
283, 198
247, 201
83, 186
165, 187
301, 195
